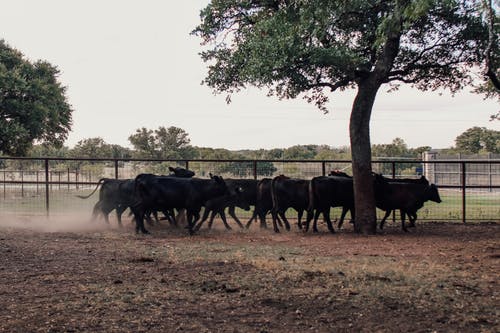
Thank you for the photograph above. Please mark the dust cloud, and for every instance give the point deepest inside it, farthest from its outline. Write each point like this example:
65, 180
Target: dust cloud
58, 223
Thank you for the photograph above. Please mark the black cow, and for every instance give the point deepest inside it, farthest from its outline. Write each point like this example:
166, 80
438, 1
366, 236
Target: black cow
217, 205
245, 195
287, 193
263, 203
336, 191
326, 192
421, 180
164, 193
119, 194
408, 198
115, 194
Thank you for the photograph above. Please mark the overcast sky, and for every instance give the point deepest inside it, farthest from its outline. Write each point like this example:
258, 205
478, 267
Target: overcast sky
130, 64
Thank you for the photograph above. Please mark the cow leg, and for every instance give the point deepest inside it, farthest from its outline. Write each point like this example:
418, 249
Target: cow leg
403, 226
193, 215
147, 217
353, 219
155, 215
119, 211
106, 209
413, 218
203, 219
95, 211
310, 214
262, 219
316, 217
254, 216
275, 224
190, 223
170, 216
285, 220
233, 215
139, 214
342, 216
223, 217
328, 221
300, 212
211, 221
387, 213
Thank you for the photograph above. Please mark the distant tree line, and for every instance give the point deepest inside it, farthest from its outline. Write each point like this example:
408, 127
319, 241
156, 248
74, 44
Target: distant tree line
174, 143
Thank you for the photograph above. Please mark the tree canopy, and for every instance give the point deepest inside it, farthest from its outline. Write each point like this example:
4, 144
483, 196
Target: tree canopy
294, 47
311, 48
33, 104
478, 139
162, 143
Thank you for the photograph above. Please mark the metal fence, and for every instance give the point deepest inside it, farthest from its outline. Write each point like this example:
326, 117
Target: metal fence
470, 189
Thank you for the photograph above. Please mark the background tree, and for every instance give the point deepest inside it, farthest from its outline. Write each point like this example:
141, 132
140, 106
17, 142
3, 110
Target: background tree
478, 139
491, 69
491, 54
162, 143
33, 104
48, 150
92, 148
310, 48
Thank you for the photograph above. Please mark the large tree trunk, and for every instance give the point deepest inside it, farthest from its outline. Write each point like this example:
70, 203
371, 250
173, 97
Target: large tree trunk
359, 128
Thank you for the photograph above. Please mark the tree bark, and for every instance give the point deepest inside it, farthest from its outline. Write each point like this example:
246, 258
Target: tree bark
359, 129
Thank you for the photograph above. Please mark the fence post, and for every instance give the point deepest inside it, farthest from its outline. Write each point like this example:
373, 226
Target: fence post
489, 173
254, 169
323, 168
393, 166
464, 179
22, 183
116, 169
47, 200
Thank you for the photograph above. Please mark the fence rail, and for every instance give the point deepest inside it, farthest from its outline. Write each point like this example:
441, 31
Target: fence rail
34, 186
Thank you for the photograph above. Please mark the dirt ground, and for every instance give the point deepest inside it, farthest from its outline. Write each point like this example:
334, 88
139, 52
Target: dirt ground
70, 275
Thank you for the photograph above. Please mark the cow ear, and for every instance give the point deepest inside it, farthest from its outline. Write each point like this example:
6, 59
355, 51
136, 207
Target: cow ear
211, 176
171, 169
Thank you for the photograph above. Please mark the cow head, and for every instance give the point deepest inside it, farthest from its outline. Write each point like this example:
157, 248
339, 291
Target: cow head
181, 172
240, 198
433, 194
423, 180
338, 173
220, 185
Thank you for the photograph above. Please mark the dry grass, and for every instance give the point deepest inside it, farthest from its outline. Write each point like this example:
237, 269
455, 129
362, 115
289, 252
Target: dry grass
65, 278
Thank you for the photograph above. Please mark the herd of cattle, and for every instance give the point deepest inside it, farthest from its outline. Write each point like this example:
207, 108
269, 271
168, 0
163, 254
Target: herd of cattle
148, 194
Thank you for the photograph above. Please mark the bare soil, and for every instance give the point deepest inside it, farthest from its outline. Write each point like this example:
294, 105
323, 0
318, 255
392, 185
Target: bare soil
68, 275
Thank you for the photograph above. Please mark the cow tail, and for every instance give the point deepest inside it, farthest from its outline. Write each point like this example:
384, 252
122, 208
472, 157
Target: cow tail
274, 197
139, 189
99, 183
310, 208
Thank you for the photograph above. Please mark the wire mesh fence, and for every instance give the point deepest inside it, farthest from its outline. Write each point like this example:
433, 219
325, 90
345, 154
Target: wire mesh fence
470, 190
